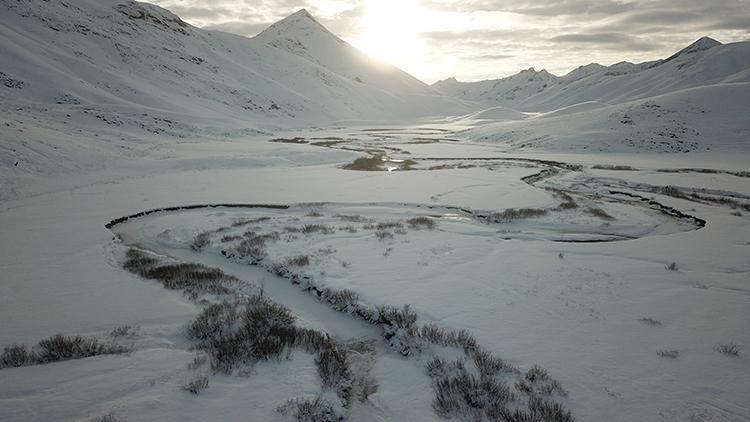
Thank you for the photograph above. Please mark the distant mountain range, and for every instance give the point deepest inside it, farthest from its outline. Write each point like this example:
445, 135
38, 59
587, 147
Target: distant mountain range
704, 62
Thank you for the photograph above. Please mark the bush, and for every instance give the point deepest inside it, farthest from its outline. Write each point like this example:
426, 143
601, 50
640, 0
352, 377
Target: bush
138, 262
196, 385
515, 214
383, 235
60, 347
668, 353
728, 349
334, 371
311, 410
538, 411
201, 241
233, 334
672, 266
421, 223
389, 225
463, 395
57, 348
16, 355
598, 212
316, 228
341, 300
650, 321
299, 261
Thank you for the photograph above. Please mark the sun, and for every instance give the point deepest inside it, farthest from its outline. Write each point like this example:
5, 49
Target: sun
389, 31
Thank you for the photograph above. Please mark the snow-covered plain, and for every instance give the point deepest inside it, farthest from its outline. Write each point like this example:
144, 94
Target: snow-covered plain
654, 179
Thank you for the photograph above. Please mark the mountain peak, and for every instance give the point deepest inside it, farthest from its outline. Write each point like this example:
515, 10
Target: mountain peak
302, 13
300, 21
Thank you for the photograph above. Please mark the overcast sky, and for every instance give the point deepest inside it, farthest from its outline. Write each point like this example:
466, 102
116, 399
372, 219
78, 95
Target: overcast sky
481, 39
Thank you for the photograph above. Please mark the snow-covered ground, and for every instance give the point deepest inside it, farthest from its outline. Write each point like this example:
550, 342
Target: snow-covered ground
573, 308
601, 232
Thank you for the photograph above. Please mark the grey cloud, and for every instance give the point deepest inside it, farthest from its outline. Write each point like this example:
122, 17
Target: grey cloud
610, 39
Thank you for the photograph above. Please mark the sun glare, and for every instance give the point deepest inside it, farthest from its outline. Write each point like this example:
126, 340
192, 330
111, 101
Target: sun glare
389, 30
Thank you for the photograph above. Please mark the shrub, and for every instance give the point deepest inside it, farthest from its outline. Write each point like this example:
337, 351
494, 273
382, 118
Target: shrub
537, 382
299, 261
201, 241
515, 214
109, 417
196, 385
316, 228
650, 321
383, 235
57, 348
16, 355
668, 353
311, 410
672, 266
334, 371
60, 347
232, 334
600, 213
139, 262
123, 331
341, 300
462, 395
538, 410
389, 225
728, 349
246, 221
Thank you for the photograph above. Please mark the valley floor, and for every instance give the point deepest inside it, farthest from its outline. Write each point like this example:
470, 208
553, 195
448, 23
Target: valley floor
578, 280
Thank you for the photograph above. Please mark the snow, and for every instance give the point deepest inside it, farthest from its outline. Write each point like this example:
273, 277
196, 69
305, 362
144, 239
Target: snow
108, 109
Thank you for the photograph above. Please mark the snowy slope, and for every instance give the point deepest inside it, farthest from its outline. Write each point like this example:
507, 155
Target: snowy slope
706, 118
705, 62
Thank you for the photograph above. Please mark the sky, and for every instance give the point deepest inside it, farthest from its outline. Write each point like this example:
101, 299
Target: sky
487, 39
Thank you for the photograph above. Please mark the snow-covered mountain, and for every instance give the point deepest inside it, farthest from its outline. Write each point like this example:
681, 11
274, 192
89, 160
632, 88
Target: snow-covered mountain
704, 62
125, 54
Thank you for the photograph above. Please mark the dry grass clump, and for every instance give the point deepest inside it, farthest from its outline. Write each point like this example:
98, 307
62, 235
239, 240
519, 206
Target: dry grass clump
193, 279
600, 213
316, 409
568, 203
254, 244
383, 235
196, 385
728, 349
537, 410
515, 214
343, 300
298, 261
421, 223
668, 353
246, 221
201, 240
316, 228
374, 163
354, 218
55, 349
537, 382
462, 395
650, 321
387, 225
